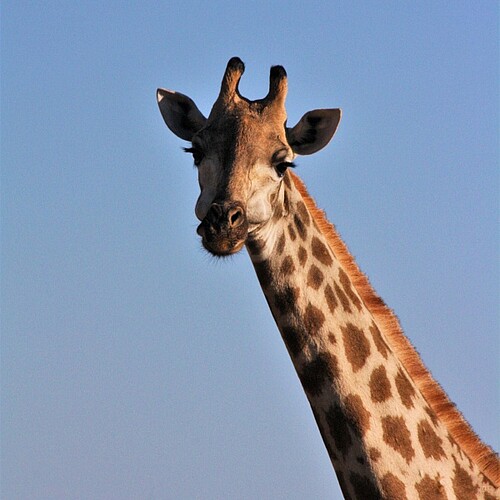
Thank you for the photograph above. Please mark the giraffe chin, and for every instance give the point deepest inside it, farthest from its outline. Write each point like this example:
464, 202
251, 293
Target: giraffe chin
223, 247
221, 243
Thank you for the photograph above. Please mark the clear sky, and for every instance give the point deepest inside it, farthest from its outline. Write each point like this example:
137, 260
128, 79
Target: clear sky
134, 365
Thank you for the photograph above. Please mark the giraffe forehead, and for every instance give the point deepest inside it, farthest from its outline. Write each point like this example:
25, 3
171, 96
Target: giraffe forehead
242, 135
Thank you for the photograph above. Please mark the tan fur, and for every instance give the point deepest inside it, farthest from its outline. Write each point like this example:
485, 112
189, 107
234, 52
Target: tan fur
460, 431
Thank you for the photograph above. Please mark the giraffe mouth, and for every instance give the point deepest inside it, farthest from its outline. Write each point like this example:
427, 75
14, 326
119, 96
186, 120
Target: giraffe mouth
224, 229
220, 242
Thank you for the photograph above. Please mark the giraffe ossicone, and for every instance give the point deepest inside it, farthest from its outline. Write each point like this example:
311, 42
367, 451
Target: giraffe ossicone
389, 429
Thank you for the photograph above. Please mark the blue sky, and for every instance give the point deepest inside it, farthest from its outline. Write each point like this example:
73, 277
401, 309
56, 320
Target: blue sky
134, 365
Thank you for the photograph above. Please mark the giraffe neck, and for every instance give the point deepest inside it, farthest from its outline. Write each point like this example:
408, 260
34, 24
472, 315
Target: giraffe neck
382, 436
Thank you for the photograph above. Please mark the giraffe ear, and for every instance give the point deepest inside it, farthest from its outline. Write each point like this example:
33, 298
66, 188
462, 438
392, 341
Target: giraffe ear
314, 131
180, 113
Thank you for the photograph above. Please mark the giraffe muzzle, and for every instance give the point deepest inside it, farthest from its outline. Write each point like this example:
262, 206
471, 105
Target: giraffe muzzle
224, 229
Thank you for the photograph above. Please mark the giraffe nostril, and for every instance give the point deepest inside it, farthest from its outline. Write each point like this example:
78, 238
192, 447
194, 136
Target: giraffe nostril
235, 216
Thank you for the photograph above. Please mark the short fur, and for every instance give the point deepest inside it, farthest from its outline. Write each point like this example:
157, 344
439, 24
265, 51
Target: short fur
458, 427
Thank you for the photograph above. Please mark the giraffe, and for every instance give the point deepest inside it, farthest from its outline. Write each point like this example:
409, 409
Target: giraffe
389, 429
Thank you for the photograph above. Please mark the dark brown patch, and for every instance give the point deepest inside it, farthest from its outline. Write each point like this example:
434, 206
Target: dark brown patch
280, 246
430, 441
287, 266
301, 228
432, 416
393, 488
339, 429
346, 285
291, 232
287, 180
378, 340
343, 485
397, 436
487, 496
304, 214
286, 299
324, 434
331, 338
320, 251
463, 485
314, 375
255, 246
314, 277
363, 487
380, 387
302, 254
374, 454
430, 489
357, 348
331, 300
313, 319
343, 298
358, 415
294, 338
405, 389
263, 273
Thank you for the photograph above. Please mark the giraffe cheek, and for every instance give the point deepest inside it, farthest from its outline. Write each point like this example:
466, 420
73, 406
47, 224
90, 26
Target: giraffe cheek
258, 211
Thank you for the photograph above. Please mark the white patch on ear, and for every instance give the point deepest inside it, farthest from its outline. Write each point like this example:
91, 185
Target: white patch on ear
313, 131
180, 113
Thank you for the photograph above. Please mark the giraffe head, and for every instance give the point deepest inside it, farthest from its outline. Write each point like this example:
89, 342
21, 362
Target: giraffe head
242, 151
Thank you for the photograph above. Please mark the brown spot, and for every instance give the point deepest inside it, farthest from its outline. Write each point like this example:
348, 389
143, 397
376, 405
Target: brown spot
374, 454
405, 389
264, 275
314, 375
397, 436
320, 251
379, 341
291, 231
287, 180
463, 486
304, 214
331, 338
331, 300
430, 441
363, 487
280, 246
313, 319
339, 429
393, 488
430, 489
432, 416
323, 432
343, 485
302, 256
314, 277
255, 246
294, 338
286, 299
343, 298
346, 285
487, 496
357, 348
380, 387
359, 416
301, 228
287, 266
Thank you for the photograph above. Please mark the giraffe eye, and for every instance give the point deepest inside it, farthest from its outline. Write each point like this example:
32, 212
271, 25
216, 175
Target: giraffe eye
282, 167
197, 153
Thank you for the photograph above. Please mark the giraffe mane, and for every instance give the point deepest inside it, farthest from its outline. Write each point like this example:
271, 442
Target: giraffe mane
459, 429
